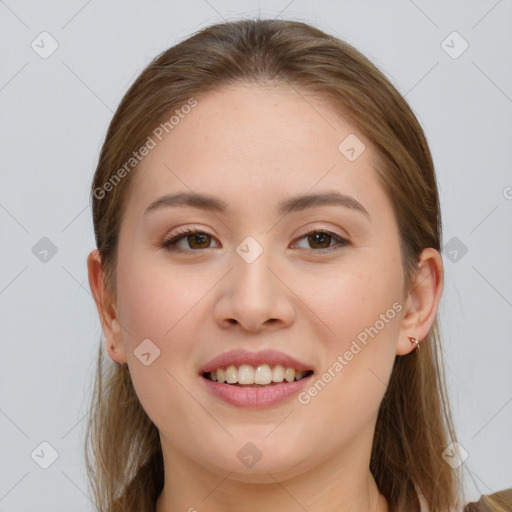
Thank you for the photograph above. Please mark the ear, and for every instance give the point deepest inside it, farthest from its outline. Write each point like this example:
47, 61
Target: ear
106, 309
422, 302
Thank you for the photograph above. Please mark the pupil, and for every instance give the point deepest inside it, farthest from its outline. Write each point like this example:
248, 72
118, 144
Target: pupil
319, 235
194, 238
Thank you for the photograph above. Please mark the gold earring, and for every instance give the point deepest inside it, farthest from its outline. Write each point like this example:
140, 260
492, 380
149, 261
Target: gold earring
414, 340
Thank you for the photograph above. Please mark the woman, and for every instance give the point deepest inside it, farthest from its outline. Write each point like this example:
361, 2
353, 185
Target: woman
267, 217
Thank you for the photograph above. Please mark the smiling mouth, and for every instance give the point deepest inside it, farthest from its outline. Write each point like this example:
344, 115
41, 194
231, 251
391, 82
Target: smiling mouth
208, 376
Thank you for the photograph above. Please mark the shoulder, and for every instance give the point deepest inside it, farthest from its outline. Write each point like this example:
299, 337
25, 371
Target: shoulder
498, 502
479, 506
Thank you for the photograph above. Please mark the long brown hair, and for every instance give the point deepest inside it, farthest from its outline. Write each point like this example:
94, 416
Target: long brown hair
123, 452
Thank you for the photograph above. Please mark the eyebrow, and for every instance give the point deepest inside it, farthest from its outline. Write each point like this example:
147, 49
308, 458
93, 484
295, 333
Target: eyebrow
293, 204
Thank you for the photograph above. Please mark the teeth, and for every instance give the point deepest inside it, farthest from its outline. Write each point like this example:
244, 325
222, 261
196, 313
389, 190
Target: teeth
289, 374
231, 375
262, 374
246, 375
278, 373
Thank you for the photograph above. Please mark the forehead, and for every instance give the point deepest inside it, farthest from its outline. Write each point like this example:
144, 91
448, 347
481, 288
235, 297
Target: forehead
250, 144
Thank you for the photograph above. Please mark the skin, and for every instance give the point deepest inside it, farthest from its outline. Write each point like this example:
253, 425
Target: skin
253, 146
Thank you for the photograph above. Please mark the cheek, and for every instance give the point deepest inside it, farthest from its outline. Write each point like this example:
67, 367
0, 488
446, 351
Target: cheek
157, 300
362, 309
349, 300
157, 304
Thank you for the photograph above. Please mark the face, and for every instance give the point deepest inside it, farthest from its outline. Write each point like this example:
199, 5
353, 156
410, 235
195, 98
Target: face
321, 283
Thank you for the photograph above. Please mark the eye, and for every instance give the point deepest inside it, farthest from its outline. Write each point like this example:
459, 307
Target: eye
320, 237
195, 235
199, 239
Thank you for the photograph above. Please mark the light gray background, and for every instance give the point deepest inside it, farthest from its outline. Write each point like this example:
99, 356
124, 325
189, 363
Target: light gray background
55, 113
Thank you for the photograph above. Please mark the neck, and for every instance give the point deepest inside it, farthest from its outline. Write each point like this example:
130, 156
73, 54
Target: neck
328, 487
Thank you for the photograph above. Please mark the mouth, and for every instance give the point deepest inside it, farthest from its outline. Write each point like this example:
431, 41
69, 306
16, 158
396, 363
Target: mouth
262, 376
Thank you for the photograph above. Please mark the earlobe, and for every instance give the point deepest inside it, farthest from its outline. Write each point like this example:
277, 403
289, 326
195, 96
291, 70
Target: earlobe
106, 309
422, 302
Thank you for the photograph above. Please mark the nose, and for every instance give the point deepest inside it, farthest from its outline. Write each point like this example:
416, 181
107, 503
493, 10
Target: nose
255, 296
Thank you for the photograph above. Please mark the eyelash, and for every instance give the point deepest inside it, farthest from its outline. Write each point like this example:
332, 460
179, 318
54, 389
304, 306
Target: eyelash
168, 244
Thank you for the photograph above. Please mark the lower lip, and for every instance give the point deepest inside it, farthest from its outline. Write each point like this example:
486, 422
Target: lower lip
256, 397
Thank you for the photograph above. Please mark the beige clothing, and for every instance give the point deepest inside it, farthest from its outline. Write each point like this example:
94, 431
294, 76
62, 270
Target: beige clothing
475, 506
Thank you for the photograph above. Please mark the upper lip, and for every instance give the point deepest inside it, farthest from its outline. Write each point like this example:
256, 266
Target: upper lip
239, 357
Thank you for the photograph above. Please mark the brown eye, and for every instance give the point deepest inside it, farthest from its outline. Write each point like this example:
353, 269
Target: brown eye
319, 241
323, 238
320, 237
200, 238
195, 238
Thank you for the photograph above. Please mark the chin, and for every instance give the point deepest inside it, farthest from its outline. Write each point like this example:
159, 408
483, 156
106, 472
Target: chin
250, 465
